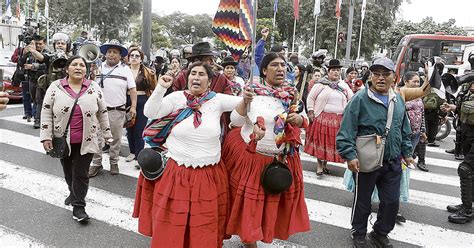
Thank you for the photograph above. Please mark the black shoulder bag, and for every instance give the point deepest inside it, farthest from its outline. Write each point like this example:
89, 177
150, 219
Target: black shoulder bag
60, 147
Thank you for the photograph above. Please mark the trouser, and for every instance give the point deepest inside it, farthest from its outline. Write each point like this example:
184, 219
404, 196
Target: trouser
432, 123
466, 167
135, 133
415, 139
76, 168
421, 151
387, 180
25, 93
458, 141
40, 93
116, 120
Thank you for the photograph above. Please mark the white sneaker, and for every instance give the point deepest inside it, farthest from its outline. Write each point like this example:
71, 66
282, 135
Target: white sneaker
130, 157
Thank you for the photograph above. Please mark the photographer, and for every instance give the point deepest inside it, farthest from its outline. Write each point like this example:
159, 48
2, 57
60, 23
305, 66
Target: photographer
34, 60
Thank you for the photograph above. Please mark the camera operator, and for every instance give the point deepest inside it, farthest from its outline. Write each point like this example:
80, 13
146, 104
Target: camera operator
35, 62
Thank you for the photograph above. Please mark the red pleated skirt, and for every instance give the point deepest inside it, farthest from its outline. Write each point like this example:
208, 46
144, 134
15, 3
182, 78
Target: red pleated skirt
256, 215
189, 207
320, 138
143, 206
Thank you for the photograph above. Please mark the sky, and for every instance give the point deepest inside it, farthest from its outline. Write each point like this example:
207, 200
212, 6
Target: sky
440, 10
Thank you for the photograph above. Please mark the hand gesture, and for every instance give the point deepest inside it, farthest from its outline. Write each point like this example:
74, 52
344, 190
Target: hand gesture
259, 128
248, 95
166, 81
311, 115
295, 119
47, 145
353, 165
265, 31
423, 137
409, 161
445, 107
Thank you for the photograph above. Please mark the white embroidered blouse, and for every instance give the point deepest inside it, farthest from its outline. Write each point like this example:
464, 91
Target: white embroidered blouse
189, 146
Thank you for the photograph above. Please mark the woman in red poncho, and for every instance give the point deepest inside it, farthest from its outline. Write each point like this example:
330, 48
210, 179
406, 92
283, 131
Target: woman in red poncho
255, 214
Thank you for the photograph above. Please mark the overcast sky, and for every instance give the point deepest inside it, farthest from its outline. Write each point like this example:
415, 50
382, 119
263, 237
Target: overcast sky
440, 10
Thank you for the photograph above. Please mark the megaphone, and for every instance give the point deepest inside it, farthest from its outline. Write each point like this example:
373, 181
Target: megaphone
90, 52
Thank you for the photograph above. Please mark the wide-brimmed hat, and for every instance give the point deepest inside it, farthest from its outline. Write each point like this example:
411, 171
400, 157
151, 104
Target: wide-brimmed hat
334, 63
229, 61
202, 49
116, 44
152, 163
276, 178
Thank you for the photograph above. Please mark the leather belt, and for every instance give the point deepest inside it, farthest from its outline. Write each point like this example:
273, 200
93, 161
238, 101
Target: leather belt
139, 93
119, 108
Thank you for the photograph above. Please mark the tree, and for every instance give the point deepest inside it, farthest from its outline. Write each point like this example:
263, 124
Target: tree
178, 26
109, 17
158, 39
426, 26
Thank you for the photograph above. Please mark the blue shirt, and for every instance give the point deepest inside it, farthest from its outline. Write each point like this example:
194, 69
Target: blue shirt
383, 98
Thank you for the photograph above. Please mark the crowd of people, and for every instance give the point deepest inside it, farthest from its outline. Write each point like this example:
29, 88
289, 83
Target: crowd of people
228, 146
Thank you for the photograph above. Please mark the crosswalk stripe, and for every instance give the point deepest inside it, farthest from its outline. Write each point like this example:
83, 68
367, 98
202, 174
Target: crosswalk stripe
412, 232
126, 168
116, 210
414, 174
12, 238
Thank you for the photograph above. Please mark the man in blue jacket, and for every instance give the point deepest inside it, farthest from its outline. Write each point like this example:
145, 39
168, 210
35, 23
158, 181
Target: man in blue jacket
366, 114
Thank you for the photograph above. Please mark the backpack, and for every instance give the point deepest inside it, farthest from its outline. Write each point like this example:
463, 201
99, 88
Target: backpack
431, 101
53, 74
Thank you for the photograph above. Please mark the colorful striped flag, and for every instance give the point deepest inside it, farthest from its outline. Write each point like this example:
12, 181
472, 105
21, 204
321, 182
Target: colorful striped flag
317, 7
296, 9
233, 24
338, 8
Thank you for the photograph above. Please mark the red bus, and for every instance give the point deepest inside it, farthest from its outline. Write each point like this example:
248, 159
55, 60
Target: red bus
412, 48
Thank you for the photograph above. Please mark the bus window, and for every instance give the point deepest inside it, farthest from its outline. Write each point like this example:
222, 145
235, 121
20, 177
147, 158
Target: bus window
451, 52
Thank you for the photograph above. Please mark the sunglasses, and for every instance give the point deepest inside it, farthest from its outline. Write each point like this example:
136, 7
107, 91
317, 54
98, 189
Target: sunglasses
135, 56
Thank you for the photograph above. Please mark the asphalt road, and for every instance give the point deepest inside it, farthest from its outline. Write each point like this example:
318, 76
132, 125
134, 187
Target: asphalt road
32, 191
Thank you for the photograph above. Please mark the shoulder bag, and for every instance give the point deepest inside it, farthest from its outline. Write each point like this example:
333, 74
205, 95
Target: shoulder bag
370, 148
60, 147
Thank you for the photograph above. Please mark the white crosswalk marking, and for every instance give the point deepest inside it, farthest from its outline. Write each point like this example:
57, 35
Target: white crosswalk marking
115, 210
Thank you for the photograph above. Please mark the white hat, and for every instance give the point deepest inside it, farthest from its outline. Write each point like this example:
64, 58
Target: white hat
60, 36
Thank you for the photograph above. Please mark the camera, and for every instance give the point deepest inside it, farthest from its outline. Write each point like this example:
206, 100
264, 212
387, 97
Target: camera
29, 31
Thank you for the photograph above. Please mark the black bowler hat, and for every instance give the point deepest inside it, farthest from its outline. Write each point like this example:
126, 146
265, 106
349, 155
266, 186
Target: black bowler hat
276, 178
201, 49
229, 61
334, 63
151, 162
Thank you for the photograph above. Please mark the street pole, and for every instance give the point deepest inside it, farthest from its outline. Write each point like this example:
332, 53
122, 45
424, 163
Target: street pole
337, 35
349, 32
273, 27
314, 41
146, 24
360, 38
90, 16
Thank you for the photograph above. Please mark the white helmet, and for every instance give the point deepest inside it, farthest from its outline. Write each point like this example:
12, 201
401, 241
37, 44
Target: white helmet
60, 36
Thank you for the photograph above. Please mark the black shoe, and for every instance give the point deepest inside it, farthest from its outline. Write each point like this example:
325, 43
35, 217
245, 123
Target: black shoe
28, 119
422, 166
380, 240
462, 216
400, 219
454, 208
24, 117
36, 125
450, 151
106, 148
360, 242
459, 157
67, 201
79, 214
433, 144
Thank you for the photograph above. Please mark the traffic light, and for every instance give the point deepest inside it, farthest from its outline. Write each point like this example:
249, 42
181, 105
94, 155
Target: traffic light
341, 37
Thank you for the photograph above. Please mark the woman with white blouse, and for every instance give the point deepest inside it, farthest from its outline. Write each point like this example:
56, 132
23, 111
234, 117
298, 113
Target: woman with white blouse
257, 215
188, 205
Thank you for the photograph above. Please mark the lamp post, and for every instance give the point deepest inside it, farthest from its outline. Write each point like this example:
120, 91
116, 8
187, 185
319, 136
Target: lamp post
193, 30
382, 35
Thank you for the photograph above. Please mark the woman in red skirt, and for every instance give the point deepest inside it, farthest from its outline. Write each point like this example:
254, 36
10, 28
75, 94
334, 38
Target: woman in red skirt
257, 215
326, 102
189, 204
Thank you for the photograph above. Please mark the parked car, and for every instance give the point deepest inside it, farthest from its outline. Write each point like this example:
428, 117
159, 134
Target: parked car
9, 68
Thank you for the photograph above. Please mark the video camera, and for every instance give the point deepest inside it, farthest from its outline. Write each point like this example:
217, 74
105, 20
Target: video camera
29, 31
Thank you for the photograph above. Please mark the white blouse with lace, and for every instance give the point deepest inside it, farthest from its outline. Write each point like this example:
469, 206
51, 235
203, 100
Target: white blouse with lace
189, 146
268, 107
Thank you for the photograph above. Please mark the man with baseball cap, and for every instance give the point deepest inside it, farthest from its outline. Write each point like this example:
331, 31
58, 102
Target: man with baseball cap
116, 79
366, 114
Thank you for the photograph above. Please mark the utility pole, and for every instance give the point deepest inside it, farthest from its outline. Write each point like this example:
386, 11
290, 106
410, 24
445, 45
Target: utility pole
349, 32
146, 24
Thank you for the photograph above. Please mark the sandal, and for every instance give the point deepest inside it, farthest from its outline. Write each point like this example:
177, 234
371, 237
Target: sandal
326, 171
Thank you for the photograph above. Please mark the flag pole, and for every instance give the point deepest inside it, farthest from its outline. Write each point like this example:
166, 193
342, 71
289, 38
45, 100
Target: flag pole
273, 26
294, 34
253, 64
315, 25
337, 34
360, 38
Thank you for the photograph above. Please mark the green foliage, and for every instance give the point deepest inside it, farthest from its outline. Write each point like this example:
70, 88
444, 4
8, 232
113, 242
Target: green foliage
177, 27
109, 16
426, 26
158, 39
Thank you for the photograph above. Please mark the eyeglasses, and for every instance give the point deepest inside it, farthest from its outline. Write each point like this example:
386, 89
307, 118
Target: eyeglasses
384, 74
60, 43
135, 56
